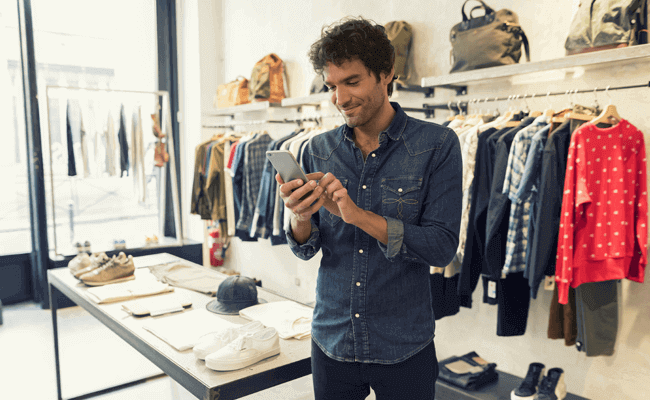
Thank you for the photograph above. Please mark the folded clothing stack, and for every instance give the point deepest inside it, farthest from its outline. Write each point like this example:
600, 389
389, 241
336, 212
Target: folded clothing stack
469, 371
290, 319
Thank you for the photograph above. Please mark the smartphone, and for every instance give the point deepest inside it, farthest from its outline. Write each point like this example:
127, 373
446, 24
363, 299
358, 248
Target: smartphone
287, 166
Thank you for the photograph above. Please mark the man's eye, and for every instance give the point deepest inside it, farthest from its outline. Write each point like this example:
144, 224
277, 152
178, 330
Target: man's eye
353, 83
331, 88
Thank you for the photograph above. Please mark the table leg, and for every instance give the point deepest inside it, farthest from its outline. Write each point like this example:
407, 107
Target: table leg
53, 306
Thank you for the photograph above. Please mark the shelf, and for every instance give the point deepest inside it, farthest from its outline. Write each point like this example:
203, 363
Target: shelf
258, 106
594, 59
311, 100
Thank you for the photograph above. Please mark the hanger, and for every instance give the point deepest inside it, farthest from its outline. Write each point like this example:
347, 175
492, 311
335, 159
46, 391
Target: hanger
460, 115
451, 117
609, 115
510, 123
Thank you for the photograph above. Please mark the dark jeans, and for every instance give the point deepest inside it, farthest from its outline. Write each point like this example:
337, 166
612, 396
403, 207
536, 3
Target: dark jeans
414, 378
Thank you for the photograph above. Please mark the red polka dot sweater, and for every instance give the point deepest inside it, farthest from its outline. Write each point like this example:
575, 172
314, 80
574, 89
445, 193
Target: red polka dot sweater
603, 225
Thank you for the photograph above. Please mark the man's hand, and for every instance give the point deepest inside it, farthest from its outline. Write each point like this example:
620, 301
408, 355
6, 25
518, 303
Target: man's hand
338, 201
291, 193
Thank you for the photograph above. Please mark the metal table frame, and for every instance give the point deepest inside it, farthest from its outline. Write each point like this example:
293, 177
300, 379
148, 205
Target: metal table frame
251, 380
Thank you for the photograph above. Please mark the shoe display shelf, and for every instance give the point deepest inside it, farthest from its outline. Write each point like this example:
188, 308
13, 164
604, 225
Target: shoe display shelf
497, 390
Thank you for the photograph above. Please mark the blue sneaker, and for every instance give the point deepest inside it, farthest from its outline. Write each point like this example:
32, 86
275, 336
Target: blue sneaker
528, 388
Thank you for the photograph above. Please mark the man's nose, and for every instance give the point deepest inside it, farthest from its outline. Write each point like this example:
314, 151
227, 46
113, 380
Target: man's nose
342, 97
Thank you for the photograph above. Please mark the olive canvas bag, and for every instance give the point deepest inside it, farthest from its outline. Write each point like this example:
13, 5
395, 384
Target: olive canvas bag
490, 40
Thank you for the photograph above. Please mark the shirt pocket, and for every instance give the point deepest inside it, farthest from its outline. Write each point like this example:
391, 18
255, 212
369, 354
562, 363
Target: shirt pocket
400, 197
325, 215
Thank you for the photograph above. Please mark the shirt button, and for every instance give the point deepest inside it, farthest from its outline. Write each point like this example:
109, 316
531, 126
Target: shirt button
364, 186
361, 251
373, 155
358, 283
356, 315
399, 190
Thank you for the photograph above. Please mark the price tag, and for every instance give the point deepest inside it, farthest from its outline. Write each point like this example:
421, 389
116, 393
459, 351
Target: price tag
549, 283
492, 289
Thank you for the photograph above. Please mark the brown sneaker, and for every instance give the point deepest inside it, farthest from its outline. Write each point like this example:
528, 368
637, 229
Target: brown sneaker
118, 269
97, 260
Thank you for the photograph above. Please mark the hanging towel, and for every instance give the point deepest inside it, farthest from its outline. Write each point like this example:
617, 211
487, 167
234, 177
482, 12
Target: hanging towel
137, 150
72, 167
124, 146
84, 146
109, 134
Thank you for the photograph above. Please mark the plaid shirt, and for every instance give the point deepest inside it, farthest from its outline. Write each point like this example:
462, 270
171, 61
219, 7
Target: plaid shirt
254, 159
517, 242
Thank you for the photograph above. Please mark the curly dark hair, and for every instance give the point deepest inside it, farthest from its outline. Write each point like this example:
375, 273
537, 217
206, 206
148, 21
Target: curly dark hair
354, 38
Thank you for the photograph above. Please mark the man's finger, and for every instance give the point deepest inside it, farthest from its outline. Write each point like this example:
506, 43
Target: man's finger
315, 176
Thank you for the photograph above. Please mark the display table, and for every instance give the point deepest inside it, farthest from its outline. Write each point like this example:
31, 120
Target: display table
293, 361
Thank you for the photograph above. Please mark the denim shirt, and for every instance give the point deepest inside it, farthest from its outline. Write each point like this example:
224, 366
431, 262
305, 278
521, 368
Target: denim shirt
373, 301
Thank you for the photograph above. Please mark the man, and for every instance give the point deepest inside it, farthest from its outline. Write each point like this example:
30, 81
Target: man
387, 205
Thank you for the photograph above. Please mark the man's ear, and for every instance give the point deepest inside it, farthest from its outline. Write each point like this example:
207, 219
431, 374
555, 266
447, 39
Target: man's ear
388, 78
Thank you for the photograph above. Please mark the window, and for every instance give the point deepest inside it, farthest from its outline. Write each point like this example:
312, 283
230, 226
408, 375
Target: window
15, 235
99, 45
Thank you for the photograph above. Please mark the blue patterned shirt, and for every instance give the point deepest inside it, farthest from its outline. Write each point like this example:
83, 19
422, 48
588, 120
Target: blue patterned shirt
517, 240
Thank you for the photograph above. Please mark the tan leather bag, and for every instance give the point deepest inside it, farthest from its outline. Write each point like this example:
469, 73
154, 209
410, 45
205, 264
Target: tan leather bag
400, 33
233, 93
268, 80
490, 40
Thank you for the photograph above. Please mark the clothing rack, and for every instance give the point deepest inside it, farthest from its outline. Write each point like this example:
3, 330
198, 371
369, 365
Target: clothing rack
318, 119
166, 108
462, 105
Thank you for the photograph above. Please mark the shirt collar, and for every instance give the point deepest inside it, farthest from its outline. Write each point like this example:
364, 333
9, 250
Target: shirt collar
394, 130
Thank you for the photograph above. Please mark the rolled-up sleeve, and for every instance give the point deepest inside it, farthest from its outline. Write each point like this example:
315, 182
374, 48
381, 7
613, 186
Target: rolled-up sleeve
308, 249
395, 238
434, 240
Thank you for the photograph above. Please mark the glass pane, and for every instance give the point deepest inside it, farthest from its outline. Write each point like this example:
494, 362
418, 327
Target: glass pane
98, 198
15, 234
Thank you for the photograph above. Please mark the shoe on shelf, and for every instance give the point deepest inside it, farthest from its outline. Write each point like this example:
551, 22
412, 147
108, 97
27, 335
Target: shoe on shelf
97, 260
79, 247
119, 244
118, 269
528, 388
245, 351
213, 342
87, 246
553, 386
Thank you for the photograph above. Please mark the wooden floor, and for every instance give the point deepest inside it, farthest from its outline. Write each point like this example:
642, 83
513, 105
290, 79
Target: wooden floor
92, 358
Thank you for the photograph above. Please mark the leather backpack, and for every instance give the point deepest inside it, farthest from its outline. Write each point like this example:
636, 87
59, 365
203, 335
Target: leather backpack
400, 34
268, 80
490, 40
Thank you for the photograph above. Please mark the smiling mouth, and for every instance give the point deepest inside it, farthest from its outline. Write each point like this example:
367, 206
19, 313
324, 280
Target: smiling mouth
348, 110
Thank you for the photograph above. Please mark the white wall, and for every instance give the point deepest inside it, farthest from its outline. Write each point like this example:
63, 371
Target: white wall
252, 29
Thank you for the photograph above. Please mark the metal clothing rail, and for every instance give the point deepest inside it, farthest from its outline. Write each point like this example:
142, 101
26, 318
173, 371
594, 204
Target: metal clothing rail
318, 119
462, 105
167, 126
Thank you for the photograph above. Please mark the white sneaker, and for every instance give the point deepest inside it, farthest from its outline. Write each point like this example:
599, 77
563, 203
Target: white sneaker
212, 342
245, 351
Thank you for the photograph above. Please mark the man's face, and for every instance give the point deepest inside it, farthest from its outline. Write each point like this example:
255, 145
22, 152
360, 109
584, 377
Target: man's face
355, 91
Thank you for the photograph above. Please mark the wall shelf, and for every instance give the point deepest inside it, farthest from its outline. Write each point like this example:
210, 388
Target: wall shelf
585, 61
311, 100
257, 106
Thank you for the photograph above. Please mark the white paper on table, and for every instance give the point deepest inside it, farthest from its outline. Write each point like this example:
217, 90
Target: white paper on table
155, 259
182, 331
290, 319
144, 284
157, 305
